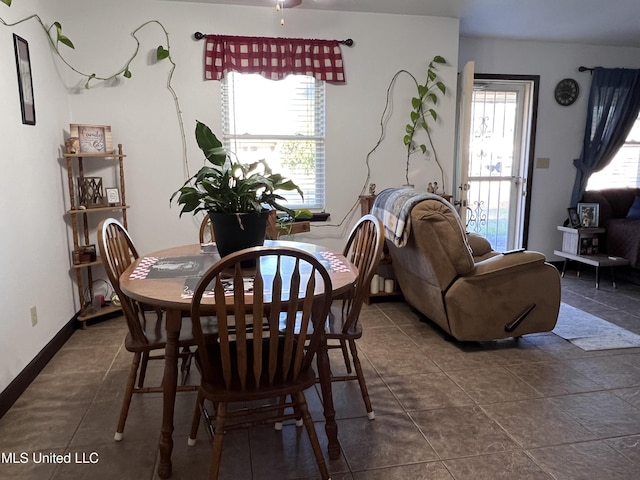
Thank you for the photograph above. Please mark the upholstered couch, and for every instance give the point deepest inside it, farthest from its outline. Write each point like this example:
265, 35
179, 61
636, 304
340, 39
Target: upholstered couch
623, 234
473, 292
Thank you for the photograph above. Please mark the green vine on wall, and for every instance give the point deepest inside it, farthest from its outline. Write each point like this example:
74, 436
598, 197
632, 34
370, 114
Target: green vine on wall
423, 111
162, 53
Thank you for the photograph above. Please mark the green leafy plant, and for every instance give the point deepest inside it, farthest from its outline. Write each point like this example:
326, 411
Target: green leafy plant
423, 111
230, 187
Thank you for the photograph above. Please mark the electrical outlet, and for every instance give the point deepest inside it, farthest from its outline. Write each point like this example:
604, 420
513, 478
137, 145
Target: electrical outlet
34, 316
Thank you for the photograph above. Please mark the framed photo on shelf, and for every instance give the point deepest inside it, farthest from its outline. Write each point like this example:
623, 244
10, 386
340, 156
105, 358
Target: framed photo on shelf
113, 196
25, 82
589, 214
574, 219
92, 138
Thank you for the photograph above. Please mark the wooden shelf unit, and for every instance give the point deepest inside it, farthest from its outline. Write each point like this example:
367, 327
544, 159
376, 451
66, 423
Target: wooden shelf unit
81, 232
385, 269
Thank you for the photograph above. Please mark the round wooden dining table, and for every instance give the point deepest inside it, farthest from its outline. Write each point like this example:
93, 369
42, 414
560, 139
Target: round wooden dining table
164, 278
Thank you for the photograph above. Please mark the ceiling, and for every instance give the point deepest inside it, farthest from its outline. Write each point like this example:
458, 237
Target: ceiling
591, 22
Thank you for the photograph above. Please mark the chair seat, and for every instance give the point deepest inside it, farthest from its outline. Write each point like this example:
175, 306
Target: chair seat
334, 325
156, 338
219, 390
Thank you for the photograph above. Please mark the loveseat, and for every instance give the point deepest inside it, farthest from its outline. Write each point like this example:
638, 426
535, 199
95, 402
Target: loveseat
473, 292
623, 234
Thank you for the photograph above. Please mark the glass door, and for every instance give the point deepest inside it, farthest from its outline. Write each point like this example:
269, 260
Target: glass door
498, 161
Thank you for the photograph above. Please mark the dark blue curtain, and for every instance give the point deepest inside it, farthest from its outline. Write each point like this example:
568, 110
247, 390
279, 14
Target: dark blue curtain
614, 103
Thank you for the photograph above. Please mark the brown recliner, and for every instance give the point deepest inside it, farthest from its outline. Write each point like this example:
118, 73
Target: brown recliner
473, 292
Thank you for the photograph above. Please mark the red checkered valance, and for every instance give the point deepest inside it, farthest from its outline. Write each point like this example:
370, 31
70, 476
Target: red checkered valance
273, 58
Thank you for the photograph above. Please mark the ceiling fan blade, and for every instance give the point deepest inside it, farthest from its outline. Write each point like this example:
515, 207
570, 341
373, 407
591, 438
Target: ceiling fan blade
291, 3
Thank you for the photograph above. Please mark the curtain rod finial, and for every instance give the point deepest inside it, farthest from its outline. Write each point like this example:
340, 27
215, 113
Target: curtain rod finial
198, 36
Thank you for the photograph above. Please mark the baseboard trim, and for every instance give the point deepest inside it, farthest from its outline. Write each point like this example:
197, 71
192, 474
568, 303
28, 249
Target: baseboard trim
19, 384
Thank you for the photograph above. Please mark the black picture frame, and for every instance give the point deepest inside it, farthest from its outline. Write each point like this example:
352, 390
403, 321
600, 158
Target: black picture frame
25, 81
574, 219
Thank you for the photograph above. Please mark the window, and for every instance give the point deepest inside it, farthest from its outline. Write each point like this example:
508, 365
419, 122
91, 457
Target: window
624, 169
282, 122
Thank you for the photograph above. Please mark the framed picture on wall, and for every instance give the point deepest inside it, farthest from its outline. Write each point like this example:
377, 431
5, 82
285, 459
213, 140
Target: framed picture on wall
92, 138
25, 82
589, 214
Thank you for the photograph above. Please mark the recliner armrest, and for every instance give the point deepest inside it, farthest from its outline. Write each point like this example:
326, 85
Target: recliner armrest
507, 264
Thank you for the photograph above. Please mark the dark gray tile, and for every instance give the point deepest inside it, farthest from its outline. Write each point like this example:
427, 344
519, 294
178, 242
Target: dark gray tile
489, 385
427, 391
389, 440
553, 378
602, 413
419, 471
585, 461
498, 466
537, 422
462, 432
627, 446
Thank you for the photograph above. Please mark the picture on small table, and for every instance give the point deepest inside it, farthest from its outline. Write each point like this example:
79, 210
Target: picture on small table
574, 219
589, 214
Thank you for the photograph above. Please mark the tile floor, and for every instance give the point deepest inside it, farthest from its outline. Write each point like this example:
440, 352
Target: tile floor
538, 408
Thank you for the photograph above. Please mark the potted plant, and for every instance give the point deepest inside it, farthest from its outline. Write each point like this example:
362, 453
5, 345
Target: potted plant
236, 196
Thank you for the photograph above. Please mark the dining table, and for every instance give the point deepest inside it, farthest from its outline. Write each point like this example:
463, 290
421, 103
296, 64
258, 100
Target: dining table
164, 279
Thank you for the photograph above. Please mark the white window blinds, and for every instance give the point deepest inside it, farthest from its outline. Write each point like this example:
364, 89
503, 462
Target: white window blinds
282, 122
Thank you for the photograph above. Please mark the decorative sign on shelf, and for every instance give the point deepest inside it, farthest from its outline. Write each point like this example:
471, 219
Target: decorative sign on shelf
90, 192
92, 138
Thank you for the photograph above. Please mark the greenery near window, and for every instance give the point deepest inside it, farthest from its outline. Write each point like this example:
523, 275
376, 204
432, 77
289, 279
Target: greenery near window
624, 169
282, 122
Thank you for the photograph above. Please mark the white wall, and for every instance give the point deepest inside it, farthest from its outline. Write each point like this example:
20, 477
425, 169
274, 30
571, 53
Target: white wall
141, 111
34, 253
560, 129
142, 114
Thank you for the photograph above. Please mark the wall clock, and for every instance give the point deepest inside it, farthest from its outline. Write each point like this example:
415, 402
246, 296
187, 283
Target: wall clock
566, 92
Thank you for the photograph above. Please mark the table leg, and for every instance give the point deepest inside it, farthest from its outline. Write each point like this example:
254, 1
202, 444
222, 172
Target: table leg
324, 374
170, 381
597, 278
613, 276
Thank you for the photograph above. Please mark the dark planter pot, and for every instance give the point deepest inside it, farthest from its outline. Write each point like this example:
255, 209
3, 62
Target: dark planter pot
235, 231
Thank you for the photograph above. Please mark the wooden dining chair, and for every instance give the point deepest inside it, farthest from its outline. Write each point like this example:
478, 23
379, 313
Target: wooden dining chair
146, 336
253, 360
342, 327
206, 231
363, 249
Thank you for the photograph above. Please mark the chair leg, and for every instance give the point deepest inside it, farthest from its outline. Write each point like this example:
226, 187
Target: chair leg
345, 354
363, 385
216, 450
185, 366
143, 369
128, 393
195, 422
301, 406
280, 412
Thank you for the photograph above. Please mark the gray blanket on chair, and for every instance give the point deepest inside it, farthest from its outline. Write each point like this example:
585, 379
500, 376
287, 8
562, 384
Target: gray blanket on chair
393, 206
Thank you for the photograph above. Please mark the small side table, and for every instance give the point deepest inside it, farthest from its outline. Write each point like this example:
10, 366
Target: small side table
581, 245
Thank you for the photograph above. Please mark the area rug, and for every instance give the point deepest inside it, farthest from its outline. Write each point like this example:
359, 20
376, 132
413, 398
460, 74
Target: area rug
590, 332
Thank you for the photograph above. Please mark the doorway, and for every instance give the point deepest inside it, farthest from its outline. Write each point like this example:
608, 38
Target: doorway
495, 174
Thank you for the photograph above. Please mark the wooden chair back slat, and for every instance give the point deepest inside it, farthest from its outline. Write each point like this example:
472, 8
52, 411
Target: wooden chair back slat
254, 352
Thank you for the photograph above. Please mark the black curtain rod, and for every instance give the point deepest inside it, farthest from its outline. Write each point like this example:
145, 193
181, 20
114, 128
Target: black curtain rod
585, 69
348, 42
